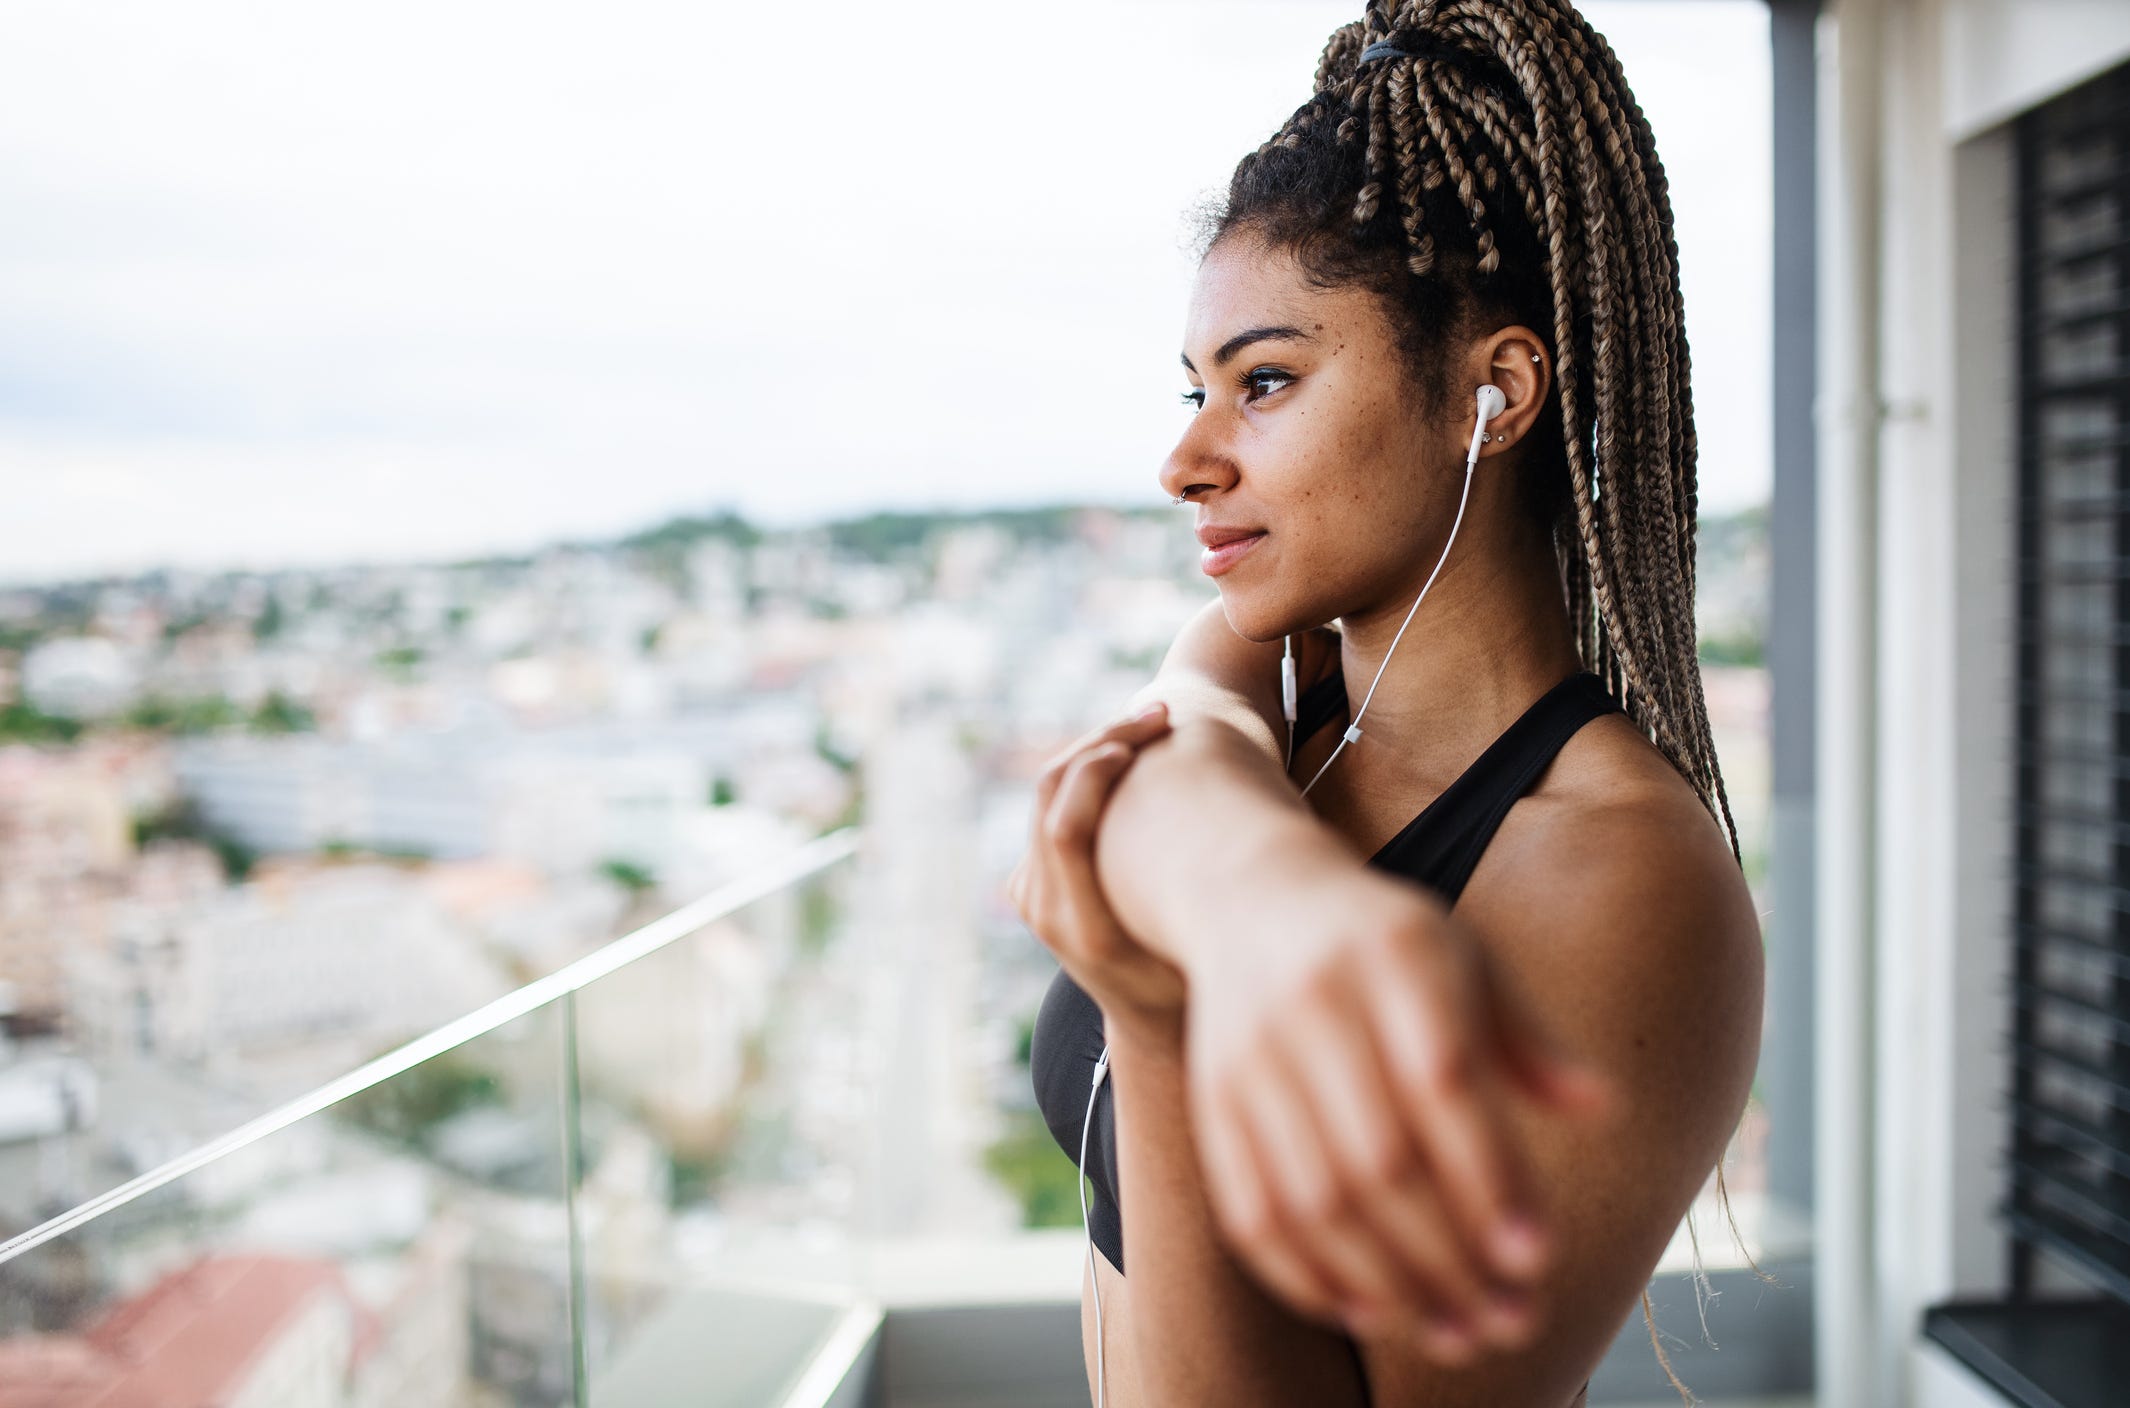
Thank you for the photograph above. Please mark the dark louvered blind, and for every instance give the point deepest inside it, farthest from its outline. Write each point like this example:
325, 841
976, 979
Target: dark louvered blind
2069, 1172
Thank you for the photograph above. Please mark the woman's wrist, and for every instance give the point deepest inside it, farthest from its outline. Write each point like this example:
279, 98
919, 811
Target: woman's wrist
1204, 780
1139, 1036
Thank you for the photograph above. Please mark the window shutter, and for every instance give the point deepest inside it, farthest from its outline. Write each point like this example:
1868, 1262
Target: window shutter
2068, 1175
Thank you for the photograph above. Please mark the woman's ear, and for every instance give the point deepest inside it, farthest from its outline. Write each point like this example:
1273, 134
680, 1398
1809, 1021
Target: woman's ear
1515, 361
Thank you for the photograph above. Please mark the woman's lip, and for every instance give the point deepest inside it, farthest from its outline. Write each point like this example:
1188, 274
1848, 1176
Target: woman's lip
1215, 561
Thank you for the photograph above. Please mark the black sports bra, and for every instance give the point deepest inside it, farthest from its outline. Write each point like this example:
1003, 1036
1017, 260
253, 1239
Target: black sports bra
1438, 848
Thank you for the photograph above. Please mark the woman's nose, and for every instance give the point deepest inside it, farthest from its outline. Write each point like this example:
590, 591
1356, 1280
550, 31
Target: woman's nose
1196, 462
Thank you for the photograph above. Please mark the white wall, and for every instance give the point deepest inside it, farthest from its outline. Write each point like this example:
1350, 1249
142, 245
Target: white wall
2002, 56
1919, 779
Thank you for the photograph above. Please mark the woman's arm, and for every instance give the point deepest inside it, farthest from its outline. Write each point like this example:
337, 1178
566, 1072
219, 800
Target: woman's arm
1319, 988
1216, 796
1202, 1330
1192, 1327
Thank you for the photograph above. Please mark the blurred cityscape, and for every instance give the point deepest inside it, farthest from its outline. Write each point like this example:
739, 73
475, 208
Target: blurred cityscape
257, 828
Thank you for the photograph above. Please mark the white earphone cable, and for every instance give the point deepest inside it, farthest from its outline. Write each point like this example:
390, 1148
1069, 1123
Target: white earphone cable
1353, 730
1080, 1185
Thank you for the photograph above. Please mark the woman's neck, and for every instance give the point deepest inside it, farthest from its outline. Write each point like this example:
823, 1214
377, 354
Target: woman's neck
1492, 635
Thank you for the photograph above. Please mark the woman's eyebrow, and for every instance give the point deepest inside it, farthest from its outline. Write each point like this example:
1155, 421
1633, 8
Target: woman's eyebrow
1243, 339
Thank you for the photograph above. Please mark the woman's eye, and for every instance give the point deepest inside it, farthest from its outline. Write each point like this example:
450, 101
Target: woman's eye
1195, 398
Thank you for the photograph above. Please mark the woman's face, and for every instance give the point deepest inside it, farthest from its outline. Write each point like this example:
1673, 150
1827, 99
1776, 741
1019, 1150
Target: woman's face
1307, 433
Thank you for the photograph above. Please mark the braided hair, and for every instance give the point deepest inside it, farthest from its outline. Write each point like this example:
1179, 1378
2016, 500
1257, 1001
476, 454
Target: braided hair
1497, 169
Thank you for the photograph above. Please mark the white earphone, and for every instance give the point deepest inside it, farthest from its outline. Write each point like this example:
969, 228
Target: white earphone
1491, 402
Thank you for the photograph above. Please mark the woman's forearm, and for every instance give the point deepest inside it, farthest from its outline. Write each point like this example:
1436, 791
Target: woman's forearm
1203, 1331
1201, 824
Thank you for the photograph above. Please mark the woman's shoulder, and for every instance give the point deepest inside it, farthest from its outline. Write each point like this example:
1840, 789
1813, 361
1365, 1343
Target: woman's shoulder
1610, 803
1607, 767
1616, 874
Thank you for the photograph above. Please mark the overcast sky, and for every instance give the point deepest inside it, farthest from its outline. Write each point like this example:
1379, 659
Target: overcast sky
392, 281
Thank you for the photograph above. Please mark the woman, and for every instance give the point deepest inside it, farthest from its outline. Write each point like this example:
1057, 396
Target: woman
1427, 1007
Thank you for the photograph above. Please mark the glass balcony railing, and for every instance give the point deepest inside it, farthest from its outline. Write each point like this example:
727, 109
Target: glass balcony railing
728, 1158
634, 1178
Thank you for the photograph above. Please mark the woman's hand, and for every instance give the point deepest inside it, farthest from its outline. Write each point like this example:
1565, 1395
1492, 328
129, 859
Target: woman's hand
1349, 1054
1055, 891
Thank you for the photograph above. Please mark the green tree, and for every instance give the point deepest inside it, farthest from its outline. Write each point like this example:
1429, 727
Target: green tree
818, 913
1741, 646
269, 621
183, 820
842, 762
634, 878
662, 551
400, 661
178, 625
410, 1106
236, 857
184, 715
1030, 1165
23, 722
277, 713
